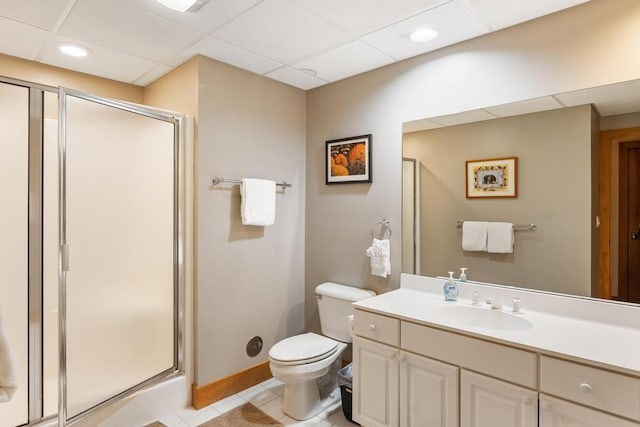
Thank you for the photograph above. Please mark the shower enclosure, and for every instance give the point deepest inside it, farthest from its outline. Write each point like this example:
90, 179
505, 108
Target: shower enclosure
91, 253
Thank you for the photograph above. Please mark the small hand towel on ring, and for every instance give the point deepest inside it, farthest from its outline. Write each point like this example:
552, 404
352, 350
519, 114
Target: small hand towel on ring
380, 254
8, 382
258, 206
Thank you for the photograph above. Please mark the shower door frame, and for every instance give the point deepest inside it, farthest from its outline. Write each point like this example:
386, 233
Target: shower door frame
35, 255
178, 121
36, 94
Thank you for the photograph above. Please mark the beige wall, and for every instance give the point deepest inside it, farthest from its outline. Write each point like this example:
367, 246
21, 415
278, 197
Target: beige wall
176, 90
570, 50
250, 280
554, 192
22, 69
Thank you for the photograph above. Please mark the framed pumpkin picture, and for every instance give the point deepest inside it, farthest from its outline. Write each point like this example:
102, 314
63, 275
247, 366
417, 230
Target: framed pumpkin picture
348, 160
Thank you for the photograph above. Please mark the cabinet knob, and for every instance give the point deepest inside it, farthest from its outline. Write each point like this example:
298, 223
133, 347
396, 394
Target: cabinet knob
586, 388
402, 358
528, 400
372, 327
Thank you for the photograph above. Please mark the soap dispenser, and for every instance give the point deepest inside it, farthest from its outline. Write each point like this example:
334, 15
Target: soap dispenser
450, 288
463, 274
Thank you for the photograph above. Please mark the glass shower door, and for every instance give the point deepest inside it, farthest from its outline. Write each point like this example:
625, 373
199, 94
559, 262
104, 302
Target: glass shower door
120, 256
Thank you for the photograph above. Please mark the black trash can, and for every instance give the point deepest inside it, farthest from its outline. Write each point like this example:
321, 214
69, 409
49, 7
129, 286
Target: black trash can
345, 381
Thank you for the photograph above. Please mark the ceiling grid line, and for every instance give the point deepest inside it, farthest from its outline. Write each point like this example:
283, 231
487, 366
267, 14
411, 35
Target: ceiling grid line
137, 41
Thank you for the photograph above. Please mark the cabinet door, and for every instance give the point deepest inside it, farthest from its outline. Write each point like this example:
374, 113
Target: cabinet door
375, 384
428, 392
486, 402
559, 413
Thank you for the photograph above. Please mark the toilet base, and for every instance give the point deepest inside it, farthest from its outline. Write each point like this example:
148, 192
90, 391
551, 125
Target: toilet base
305, 399
307, 402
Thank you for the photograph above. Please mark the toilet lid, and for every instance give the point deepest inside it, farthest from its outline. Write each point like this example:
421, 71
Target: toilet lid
305, 348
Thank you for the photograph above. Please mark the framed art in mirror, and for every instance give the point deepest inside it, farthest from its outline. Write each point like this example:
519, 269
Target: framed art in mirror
348, 160
490, 178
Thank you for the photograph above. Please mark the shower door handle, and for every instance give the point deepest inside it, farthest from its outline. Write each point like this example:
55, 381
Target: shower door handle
64, 254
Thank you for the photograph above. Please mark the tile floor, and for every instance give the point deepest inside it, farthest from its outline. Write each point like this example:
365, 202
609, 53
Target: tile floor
268, 397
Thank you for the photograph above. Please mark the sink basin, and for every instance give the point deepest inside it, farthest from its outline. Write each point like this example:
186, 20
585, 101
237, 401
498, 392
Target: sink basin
481, 317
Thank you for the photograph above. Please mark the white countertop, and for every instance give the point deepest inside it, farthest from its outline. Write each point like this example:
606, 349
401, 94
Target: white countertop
578, 338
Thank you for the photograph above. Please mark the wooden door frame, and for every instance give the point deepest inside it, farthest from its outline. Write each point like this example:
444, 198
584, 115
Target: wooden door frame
607, 140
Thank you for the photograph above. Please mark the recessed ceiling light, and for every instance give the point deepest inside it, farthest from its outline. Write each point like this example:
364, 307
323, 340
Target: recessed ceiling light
73, 50
423, 35
184, 5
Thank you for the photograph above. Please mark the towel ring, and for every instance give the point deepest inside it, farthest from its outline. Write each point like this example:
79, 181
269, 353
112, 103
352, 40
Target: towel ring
384, 226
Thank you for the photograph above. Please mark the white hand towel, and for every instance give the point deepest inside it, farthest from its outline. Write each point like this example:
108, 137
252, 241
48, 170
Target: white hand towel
8, 383
258, 206
500, 237
380, 254
474, 236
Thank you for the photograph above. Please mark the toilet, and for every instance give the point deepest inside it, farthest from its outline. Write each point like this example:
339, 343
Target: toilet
308, 363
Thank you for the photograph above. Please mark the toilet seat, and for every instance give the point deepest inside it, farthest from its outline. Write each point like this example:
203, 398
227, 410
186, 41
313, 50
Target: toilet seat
302, 349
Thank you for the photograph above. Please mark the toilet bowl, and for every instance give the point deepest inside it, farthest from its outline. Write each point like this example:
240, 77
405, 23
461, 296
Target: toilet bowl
308, 363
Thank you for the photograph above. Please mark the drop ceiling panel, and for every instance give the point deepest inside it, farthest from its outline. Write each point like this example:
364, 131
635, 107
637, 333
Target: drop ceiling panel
39, 13
610, 100
500, 14
282, 31
453, 21
21, 40
464, 117
101, 62
229, 54
296, 78
347, 60
119, 26
525, 107
338, 38
359, 17
153, 75
418, 125
212, 15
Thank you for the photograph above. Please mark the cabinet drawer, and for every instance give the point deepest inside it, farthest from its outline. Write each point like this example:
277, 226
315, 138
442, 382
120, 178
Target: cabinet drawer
615, 393
377, 327
499, 361
556, 412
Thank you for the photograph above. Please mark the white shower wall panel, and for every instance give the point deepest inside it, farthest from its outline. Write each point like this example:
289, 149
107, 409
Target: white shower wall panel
14, 214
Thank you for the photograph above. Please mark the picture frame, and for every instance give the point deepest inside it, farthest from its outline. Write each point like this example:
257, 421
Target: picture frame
492, 178
348, 160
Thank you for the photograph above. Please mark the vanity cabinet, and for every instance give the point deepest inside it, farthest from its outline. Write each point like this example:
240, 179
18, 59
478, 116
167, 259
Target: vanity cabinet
559, 413
376, 377
486, 402
397, 381
586, 385
393, 385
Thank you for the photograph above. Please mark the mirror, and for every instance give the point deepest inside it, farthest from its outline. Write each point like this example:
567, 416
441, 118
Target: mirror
571, 152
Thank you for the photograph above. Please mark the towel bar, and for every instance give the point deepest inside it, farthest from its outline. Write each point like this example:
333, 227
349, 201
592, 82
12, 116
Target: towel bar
516, 227
217, 180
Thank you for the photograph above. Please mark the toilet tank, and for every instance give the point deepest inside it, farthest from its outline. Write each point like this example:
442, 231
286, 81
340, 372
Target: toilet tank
334, 306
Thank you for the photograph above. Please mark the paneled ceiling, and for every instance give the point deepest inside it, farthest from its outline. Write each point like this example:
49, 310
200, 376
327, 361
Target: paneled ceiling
608, 100
303, 43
